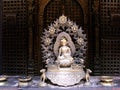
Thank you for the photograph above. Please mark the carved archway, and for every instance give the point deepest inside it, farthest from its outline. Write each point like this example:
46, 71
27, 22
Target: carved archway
82, 3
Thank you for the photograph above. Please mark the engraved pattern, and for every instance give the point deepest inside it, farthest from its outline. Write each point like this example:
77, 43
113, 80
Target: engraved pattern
66, 78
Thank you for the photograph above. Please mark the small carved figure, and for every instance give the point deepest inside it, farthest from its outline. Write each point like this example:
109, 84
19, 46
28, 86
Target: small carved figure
64, 56
43, 76
87, 75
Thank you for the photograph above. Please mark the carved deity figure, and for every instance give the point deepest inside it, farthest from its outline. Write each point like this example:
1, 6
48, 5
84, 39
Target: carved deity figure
64, 55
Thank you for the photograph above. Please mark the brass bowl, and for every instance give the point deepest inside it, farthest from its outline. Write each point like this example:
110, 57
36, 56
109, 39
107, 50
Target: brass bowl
25, 78
106, 78
107, 84
3, 78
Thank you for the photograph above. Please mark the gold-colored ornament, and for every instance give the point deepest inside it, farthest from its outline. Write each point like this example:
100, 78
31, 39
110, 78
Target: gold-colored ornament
80, 41
47, 41
74, 28
51, 30
3, 78
62, 19
107, 80
25, 79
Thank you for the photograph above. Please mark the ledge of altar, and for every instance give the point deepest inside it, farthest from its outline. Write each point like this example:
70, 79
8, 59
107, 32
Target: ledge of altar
13, 83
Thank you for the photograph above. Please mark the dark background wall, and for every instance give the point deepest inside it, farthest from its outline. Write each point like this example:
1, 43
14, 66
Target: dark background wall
14, 37
109, 38
24, 20
0, 36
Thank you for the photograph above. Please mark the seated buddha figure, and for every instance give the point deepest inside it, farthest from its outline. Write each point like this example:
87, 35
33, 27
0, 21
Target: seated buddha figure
64, 58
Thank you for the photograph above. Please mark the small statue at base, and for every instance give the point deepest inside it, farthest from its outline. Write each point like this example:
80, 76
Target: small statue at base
42, 78
87, 76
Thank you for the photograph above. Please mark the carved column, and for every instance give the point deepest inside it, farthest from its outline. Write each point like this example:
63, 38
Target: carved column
84, 5
42, 4
90, 36
96, 18
0, 36
96, 13
30, 31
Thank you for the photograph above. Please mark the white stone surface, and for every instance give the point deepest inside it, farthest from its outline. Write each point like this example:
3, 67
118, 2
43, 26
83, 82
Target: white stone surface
65, 76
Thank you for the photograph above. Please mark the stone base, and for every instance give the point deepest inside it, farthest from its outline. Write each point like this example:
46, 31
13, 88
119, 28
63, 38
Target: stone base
65, 76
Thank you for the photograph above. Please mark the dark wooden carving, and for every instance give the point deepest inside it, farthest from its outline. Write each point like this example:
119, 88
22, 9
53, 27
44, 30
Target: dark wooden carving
109, 58
24, 21
115, 20
1, 37
14, 37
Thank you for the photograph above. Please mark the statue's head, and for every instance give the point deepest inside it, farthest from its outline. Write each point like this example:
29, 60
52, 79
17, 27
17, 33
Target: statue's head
63, 41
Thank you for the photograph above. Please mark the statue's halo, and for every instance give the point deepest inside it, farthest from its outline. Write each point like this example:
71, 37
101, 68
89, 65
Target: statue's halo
70, 43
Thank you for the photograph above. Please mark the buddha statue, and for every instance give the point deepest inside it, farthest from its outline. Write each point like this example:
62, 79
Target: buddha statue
64, 58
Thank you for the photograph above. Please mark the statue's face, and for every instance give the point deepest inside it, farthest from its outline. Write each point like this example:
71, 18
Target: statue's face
63, 41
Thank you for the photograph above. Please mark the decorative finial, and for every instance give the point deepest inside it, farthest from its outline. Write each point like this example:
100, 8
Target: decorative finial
62, 19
